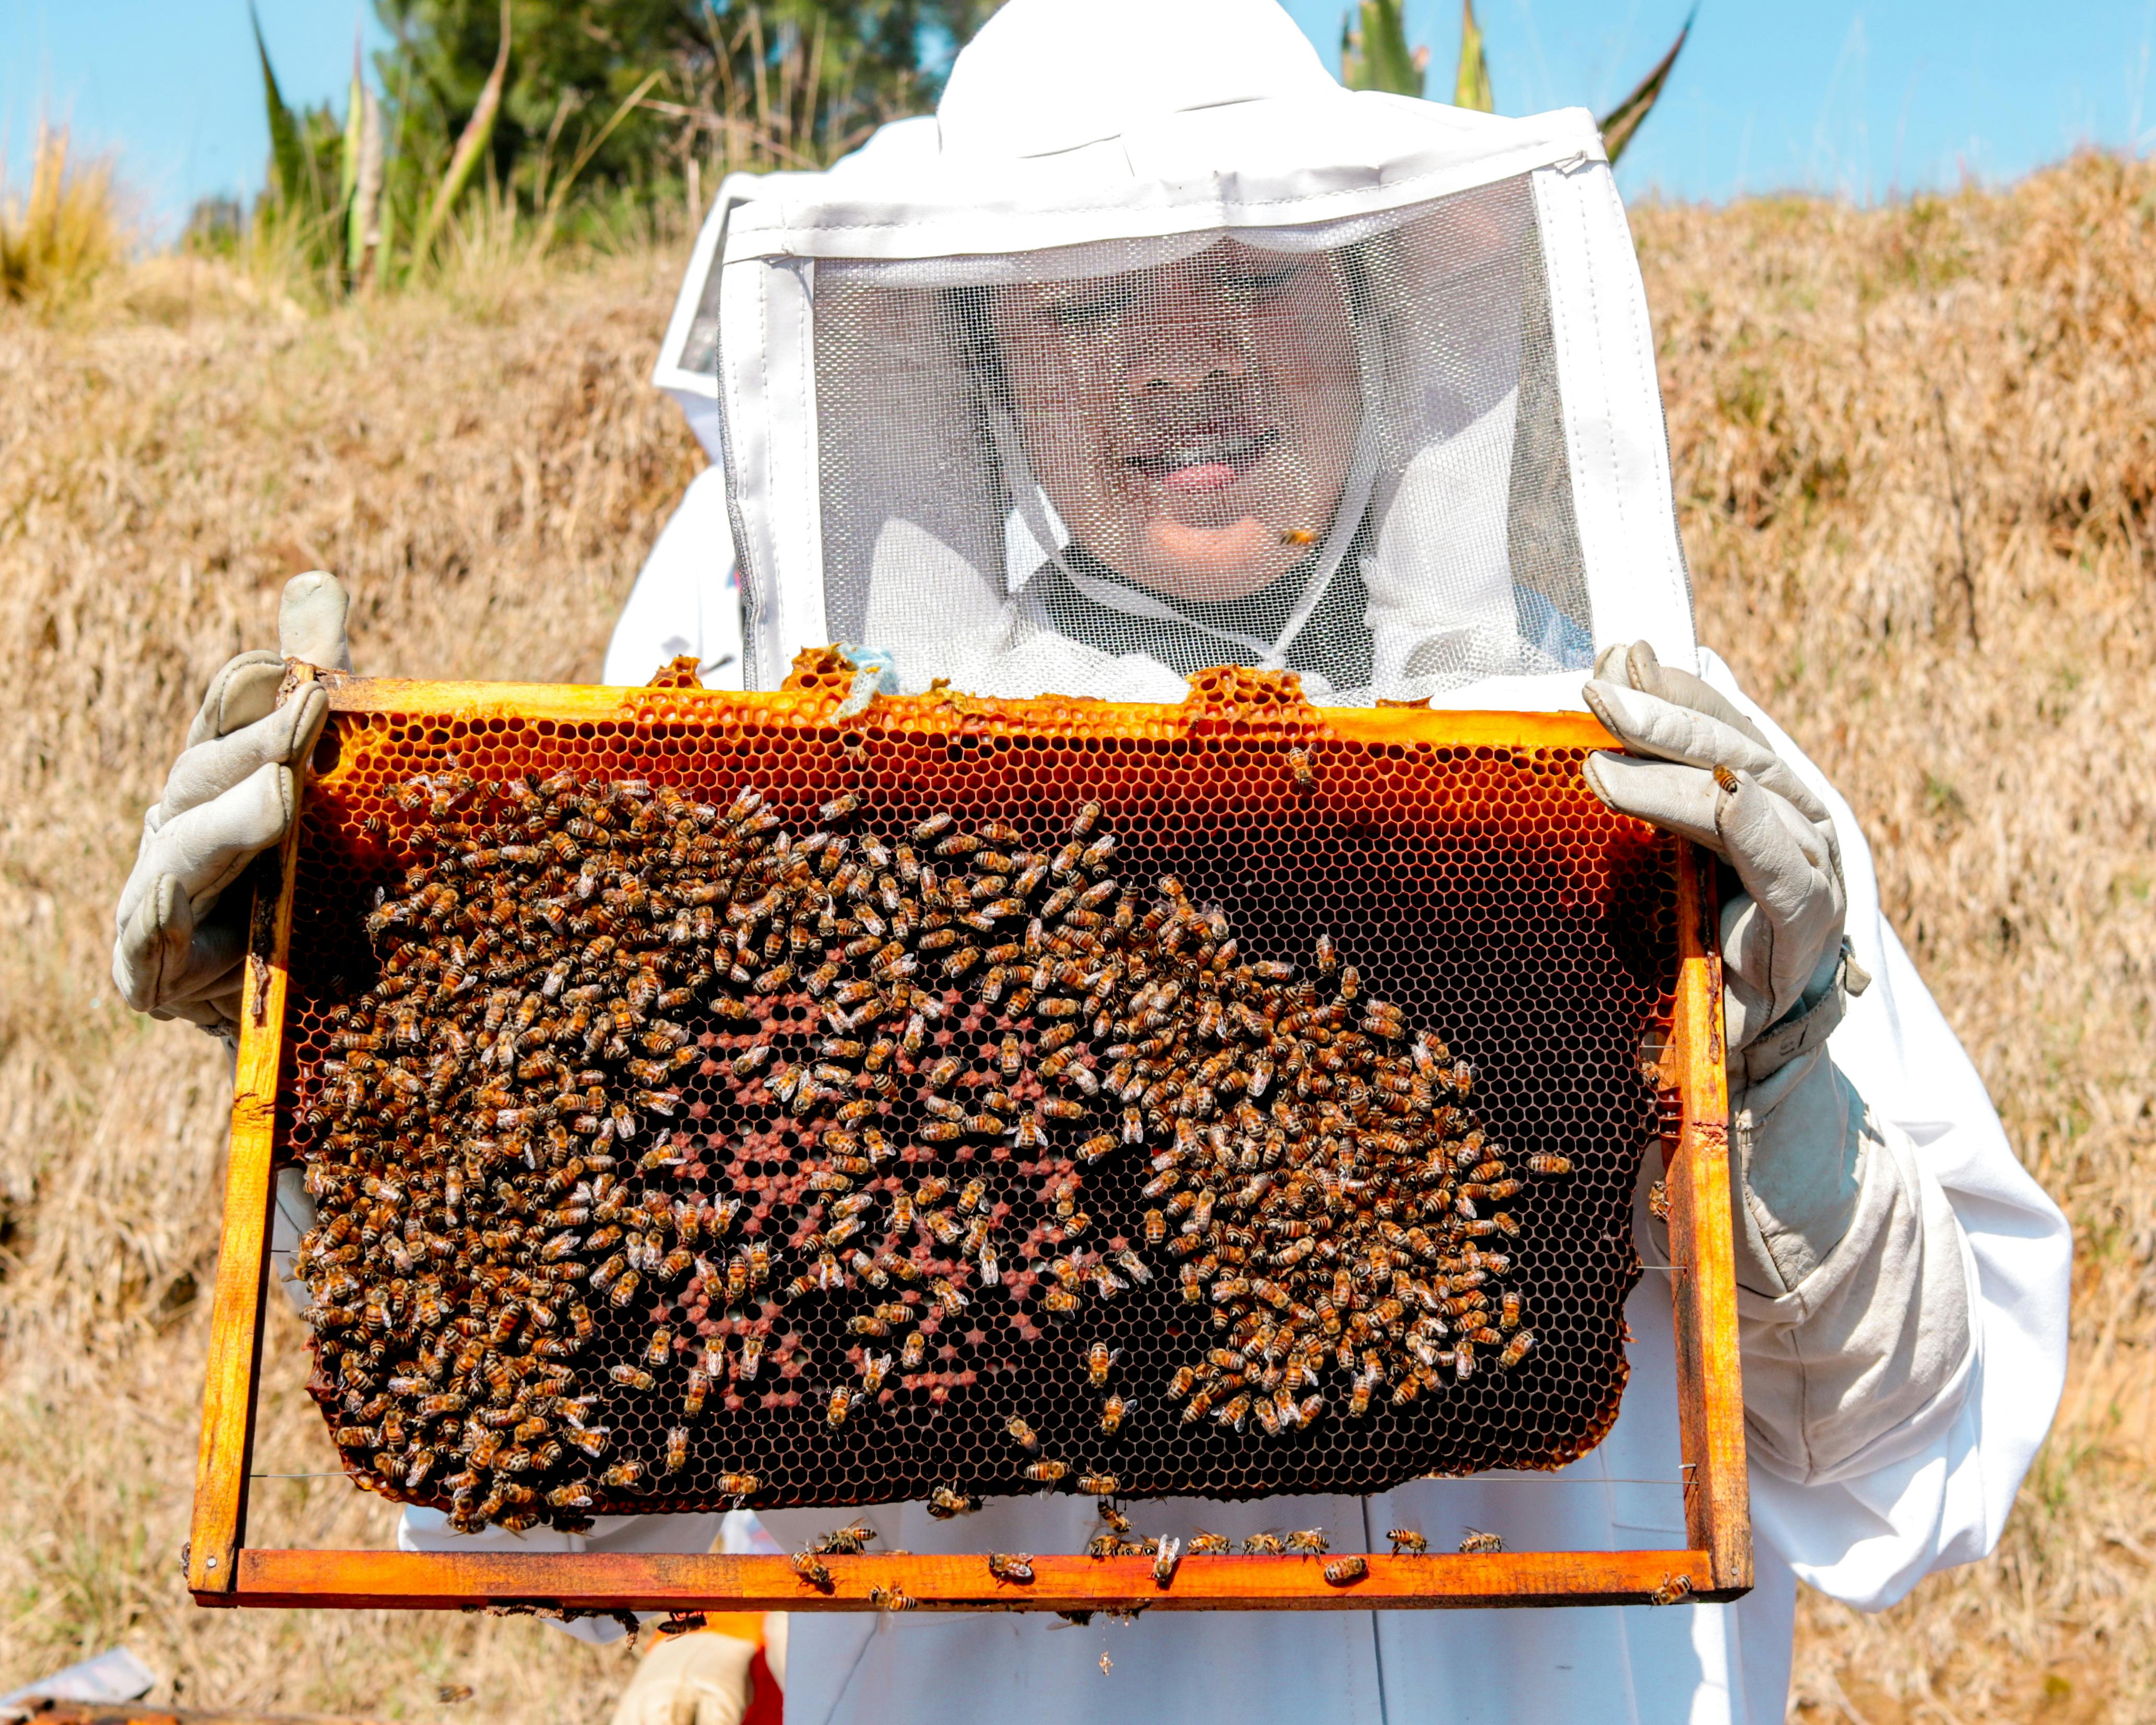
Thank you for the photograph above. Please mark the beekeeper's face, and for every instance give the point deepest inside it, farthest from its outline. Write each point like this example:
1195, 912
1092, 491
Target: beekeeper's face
1192, 424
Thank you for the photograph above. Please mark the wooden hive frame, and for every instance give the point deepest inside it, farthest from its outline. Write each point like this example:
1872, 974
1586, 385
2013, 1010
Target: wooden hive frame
1715, 1563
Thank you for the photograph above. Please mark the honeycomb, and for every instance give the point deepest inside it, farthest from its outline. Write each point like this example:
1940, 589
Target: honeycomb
1520, 936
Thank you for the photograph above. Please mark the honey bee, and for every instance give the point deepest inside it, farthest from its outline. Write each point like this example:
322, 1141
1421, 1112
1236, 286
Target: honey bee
632, 1377
911, 1353
1013, 1567
1477, 1542
677, 1450
1116, 1519
1406, 1542
1098, 1485
1047, 1472
1263, 1545
944, 1503
1658, 1200
1210, 1545
1675, 1590
1543, 1161
1100, 1358
1298, 535
1302, 772
739, 1485
813, 1570
1516, 1349
621, 1474
891, 1599
848, 1541
1310, 1541
1022, 1432
661, 1348
1341, 1571
840, 1402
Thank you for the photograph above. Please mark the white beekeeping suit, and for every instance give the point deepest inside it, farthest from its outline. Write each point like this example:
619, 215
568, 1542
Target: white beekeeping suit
1155, 349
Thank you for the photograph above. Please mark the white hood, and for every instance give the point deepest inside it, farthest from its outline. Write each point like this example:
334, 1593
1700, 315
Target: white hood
1116, 135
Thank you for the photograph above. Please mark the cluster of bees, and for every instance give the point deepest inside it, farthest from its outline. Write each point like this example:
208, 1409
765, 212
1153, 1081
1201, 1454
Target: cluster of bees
917, 1052
1119, 1539
1354, 1225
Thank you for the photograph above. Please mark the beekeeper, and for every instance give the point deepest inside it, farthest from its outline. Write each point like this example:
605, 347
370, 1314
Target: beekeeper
1155, 349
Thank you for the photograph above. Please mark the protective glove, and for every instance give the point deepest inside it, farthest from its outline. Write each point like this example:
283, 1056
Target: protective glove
701, 1678
1696, 766
178, 951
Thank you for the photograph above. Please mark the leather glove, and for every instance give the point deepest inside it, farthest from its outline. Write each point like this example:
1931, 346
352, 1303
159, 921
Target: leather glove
179, 951
1696, 766
701, 1678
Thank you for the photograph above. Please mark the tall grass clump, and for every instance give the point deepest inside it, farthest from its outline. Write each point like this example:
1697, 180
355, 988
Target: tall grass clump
63, 231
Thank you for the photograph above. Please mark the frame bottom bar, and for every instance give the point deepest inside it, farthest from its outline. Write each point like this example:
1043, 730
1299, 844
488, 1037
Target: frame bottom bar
613, 1581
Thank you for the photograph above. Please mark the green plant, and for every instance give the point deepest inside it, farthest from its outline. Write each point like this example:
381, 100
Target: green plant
1374, 55
527, 122
471, 145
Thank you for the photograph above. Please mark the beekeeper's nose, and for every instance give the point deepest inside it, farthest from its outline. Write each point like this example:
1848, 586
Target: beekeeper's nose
1191, 348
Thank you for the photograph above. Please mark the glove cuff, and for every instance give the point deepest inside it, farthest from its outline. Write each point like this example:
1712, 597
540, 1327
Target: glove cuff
1805, 1027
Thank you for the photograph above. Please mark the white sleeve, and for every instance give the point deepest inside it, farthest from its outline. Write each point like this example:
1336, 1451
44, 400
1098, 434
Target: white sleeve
687, 600
1870, 1351
1935, 1487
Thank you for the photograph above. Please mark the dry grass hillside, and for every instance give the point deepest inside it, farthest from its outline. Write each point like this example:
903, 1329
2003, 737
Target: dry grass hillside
1915, 462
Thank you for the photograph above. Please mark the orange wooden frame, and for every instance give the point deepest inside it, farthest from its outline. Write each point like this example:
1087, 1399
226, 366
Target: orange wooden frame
223, 1569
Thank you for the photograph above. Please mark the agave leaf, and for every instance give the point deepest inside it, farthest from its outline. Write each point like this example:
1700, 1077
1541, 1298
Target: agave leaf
471, 145
288, 154
1622, 121
348, 157
364, 228
1376, 56
1471, 88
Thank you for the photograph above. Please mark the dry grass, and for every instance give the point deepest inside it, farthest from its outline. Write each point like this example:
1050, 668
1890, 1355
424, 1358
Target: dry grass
63, 231
1916, 469
485, 465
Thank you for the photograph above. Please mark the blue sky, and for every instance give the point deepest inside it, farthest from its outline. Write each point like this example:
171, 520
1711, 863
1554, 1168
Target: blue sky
1862, 101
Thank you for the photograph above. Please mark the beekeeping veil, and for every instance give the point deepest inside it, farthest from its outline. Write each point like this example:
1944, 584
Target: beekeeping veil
1155, 349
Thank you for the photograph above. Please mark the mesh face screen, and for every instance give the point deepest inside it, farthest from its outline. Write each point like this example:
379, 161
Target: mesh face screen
1335, 449
1502, 941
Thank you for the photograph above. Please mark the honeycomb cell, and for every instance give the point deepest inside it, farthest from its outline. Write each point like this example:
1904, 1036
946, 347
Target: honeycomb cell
858, 1123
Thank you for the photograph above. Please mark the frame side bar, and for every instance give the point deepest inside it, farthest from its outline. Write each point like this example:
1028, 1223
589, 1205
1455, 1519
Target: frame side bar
1710, 1385
220, 1528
